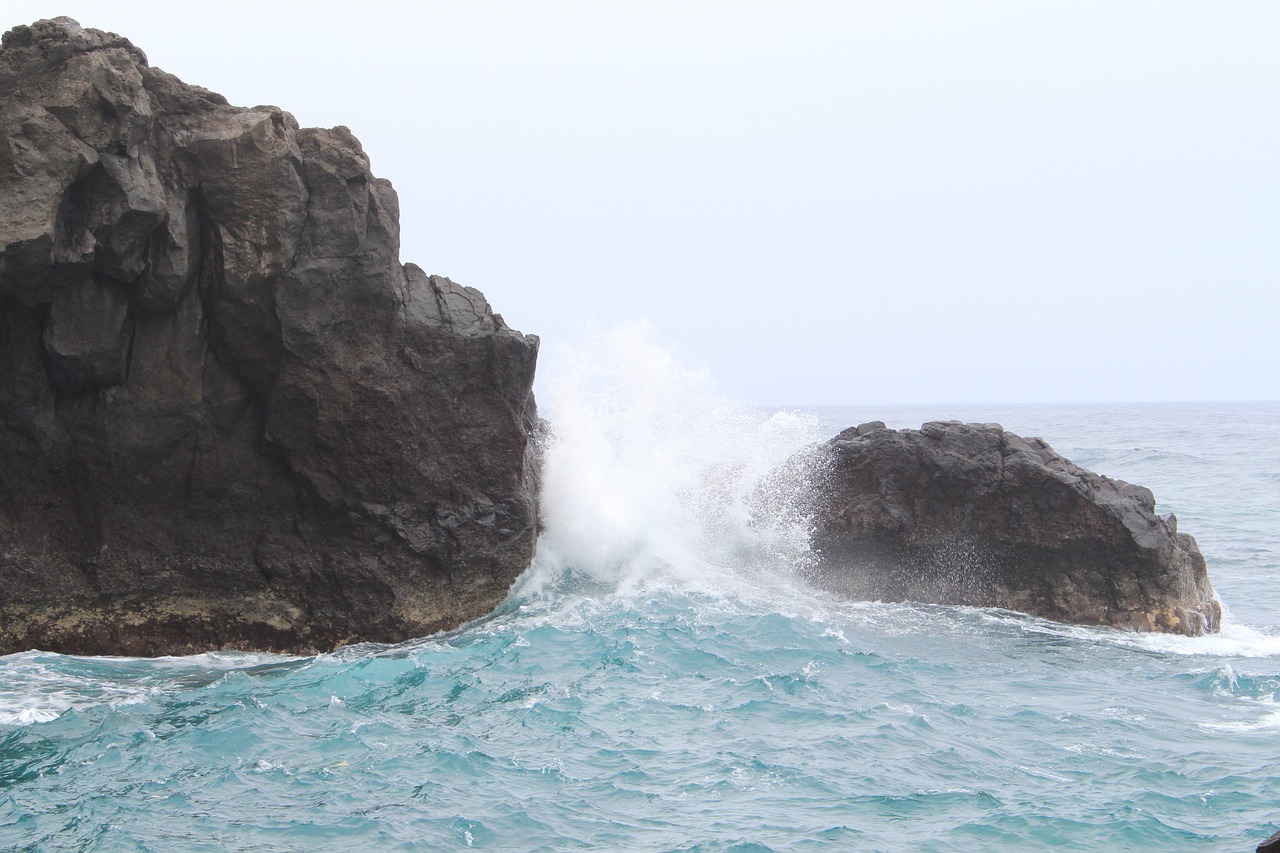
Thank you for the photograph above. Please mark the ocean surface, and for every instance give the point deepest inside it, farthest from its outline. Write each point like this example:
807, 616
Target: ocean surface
662, 679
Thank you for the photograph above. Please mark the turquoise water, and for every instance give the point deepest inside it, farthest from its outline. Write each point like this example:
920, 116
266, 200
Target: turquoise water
661, 680
664, 722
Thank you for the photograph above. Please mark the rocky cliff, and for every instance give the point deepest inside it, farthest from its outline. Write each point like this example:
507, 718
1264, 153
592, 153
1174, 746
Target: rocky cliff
971, 514
229, 417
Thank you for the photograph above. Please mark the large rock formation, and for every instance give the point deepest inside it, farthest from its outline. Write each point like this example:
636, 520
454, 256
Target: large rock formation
970, 514
229, 417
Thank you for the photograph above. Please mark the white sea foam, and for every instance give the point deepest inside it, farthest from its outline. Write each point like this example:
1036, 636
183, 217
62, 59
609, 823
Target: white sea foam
40, 686
220, 660
1264, 715
27, 716
1233, 640
32, 692
650, 478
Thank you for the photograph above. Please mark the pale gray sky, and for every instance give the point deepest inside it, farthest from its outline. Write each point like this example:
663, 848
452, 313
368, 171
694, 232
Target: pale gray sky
820, 202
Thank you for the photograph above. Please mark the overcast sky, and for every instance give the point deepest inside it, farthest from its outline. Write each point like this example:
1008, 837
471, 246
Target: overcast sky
832, 202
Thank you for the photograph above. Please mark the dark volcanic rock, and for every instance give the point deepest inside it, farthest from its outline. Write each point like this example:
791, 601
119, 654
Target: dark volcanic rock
229, 417
970, 514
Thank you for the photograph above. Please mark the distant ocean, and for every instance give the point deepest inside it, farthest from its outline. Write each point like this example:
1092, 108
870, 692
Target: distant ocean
661, 679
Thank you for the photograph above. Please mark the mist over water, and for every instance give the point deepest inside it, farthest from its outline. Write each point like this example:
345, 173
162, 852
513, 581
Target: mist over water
663, 679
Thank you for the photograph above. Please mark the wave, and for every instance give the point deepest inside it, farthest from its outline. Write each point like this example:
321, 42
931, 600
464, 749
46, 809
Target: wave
650, 476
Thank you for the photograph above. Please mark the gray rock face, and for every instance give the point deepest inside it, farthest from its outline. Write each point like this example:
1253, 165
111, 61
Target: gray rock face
970, 514
229, 417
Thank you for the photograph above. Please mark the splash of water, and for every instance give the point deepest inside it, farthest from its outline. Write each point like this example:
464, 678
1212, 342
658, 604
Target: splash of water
651, 477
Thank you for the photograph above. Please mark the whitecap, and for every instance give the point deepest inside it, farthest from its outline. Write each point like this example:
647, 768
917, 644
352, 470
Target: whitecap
1234, 640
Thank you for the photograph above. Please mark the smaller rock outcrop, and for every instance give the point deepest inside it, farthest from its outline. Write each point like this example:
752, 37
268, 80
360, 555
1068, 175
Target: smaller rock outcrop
970, 514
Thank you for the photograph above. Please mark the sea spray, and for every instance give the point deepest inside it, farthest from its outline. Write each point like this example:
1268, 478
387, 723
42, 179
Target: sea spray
651, 476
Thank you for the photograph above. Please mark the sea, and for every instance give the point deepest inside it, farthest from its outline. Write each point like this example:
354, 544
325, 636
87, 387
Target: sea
662, 677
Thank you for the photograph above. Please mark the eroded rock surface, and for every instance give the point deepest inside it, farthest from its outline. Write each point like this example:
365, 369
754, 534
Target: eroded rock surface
229, 417
971, 514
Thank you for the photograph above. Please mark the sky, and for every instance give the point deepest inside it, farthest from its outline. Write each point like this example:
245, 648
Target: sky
816, 202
